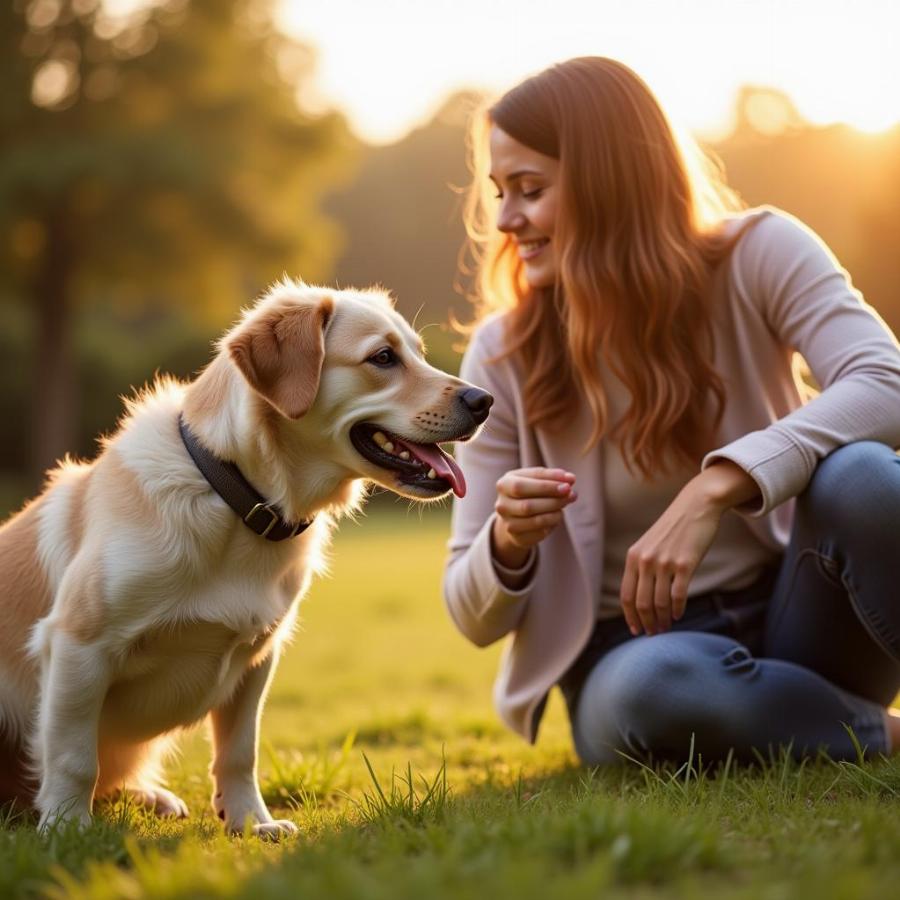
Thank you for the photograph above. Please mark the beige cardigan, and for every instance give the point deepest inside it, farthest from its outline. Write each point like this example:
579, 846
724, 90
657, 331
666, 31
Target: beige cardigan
780, 291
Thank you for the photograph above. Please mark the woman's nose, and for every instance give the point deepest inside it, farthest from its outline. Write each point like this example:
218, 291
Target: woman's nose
509, 218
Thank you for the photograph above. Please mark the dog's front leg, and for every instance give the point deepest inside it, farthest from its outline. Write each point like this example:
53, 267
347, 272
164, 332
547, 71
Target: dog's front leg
74, 685
235, 725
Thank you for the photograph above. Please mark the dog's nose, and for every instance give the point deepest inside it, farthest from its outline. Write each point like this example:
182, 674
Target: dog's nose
477, 402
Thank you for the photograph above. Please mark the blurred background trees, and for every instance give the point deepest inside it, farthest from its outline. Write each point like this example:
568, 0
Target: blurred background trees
157, 172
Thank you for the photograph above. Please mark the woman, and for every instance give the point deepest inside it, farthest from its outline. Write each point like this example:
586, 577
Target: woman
631, 519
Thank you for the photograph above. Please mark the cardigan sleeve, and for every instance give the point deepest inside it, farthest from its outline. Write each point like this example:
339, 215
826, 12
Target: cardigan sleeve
809, 304
484, 609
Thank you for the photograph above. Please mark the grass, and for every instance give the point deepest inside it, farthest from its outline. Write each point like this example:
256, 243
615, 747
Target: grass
380, 742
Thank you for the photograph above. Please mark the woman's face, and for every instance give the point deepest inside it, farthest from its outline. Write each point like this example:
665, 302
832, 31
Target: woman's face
527, 187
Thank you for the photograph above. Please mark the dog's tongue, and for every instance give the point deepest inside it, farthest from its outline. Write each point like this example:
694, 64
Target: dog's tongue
444, 465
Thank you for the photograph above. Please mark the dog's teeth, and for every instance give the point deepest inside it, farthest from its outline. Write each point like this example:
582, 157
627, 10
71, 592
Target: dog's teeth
379, 439
404, 454
432, 473
388, 446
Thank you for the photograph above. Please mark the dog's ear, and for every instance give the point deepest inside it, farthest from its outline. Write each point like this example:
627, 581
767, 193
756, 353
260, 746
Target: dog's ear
281, 352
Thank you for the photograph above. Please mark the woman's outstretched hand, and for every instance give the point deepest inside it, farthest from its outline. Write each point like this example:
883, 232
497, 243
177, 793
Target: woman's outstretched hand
529, 506
659, 567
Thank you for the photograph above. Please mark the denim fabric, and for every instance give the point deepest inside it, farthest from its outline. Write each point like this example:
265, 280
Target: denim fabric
813, 646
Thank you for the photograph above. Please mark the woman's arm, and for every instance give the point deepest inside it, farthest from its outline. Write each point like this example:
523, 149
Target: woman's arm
807, 301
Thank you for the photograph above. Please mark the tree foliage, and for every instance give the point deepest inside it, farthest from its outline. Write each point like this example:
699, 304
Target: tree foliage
161, 158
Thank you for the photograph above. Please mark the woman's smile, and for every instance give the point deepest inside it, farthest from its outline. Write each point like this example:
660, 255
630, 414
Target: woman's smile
531, 249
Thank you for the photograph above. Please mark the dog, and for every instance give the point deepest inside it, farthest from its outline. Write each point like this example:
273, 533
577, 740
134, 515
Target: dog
155, 586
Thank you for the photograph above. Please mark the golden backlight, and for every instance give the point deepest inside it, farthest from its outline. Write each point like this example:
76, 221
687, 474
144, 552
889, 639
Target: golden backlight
390, 63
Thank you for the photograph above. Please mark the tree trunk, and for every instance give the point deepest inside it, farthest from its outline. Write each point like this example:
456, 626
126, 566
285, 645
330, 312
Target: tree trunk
53, 410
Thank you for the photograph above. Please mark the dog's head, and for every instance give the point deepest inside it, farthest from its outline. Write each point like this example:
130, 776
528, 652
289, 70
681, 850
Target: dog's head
344, 375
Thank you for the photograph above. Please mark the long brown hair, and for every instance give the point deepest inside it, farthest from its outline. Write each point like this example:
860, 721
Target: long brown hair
638, 235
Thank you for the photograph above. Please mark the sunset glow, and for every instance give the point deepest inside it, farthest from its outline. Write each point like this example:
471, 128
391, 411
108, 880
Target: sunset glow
389, 64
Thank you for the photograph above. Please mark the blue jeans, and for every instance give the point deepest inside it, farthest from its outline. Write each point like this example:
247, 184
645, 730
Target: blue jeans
787, 662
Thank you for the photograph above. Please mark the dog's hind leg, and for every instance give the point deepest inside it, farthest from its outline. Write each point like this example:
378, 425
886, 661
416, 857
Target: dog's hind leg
18, 784
136, 770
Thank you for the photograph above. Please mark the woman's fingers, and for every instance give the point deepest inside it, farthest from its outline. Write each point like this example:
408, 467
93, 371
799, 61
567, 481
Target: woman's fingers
529, 538
532, 506
546, 522
643, 599
646, 595
543, 473
530, 502
662, 600
627, 595
518, 486
654, 595
637, 595
680, 591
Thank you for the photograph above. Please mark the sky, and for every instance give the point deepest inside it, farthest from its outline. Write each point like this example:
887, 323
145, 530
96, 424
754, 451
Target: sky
388, 64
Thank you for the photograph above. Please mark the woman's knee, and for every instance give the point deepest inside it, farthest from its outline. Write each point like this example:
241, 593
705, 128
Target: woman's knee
857, 484
648, 696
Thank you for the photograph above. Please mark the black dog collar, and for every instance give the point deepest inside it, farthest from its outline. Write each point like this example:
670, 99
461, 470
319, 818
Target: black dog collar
227, 481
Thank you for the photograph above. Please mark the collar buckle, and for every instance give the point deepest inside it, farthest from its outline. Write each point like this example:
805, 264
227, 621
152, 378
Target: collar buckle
275, 518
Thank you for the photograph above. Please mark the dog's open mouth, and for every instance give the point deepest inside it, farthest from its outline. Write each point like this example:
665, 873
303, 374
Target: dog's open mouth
424, 466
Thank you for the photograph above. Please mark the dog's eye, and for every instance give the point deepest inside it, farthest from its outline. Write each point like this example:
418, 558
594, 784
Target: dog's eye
384, 358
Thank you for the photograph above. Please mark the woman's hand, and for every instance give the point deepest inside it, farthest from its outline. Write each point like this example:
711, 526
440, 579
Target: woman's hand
659, 567
529, 506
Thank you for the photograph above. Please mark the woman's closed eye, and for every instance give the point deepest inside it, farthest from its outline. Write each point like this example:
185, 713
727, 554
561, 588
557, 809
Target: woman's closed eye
529, 194
529, 187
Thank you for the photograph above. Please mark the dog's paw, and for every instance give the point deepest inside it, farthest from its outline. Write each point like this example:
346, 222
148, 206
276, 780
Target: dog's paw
274, 830
243, 811
265, 828
158, 800
49, 822
53, 814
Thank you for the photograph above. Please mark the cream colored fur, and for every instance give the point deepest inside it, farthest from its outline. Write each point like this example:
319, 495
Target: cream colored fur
135, 603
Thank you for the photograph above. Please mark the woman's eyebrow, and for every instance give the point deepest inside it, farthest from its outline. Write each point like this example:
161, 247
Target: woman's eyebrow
519, 173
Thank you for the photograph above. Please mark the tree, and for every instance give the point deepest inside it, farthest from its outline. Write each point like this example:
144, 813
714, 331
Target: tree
160, 158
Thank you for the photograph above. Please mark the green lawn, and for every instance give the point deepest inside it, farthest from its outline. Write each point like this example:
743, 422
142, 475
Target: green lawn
380, 742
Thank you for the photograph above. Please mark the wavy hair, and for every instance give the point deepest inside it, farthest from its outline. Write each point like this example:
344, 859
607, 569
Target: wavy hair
638, 236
